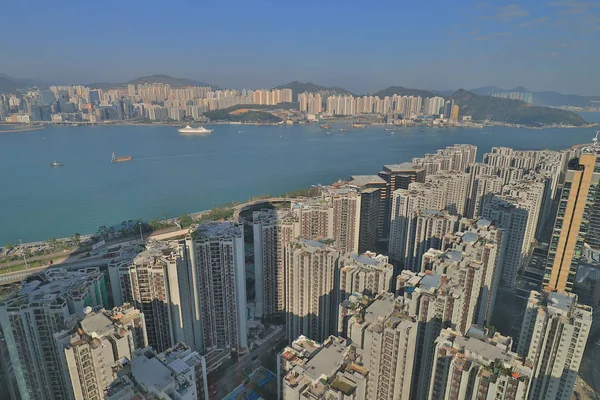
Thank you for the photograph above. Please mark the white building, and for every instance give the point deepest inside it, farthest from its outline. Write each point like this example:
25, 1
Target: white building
216, 253
92, 351
30, 319
310, 269
553, 337
477, 367
273, 231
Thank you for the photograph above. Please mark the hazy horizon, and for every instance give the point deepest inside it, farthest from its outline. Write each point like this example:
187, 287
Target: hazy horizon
542, 45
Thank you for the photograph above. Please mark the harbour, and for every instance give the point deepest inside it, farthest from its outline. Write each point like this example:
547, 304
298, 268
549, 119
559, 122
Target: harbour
172, 174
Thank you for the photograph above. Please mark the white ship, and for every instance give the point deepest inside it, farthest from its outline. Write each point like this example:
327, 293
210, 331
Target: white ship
188, 130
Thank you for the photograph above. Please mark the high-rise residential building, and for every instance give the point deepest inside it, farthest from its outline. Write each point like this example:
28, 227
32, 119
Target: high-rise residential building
177, 373
92, 351
331, 370
513, 215
310, 103
368, 274
216, 253
553, 337
158, 283
457, 157
335, 215
470, 258
396, 176
372, 196
533, 191
273, 231
405, 203
426, 230
483, 189
388, 337
474, 366
30, 319
576, 221
310, 269
454, 113
454, 187
434, 301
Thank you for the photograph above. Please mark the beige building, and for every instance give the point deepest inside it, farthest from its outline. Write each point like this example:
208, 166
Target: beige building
331, 370
553, 337
368, 273
156, 283
92, 351
576, 222
476, 367
387, 335
335, 215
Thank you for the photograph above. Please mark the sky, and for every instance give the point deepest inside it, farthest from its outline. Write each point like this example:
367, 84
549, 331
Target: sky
359, 45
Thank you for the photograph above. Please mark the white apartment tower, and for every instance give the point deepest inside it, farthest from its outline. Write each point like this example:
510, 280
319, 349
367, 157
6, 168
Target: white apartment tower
426, 230
273, 231
553, 337
310, 270
157, 282
31, 318
216, 252
513, 216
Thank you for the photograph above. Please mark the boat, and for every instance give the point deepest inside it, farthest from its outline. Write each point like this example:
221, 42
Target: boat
344, 129
358, 125
421, 130
56, 164
389, 129
188, 130
120, 159
326, 126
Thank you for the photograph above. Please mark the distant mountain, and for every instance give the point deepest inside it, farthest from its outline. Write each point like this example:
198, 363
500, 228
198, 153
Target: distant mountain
497, 109
166, 79
544, 99
402, 91
8, 84
301, 87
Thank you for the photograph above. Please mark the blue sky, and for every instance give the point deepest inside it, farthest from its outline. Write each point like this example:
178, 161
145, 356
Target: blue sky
363, 46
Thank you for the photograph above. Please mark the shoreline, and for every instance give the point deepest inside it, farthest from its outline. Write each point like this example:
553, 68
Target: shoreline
480, 125
24, 129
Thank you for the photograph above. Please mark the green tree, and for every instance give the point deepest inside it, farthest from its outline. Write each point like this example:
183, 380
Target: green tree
185, 220
76, 238
9, 246
52, 242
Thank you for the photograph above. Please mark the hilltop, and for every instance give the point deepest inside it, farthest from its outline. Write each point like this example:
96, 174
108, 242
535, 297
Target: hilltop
8, 84
510, 111
166, 79
402, 91
545, 99
301, 87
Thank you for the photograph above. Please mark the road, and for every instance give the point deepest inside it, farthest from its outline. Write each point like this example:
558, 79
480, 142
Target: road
235, 375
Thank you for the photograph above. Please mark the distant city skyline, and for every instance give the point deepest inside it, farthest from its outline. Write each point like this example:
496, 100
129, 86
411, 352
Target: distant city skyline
443, 46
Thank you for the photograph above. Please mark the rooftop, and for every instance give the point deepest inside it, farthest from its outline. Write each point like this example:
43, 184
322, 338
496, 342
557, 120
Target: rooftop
326, 361
150, 372
218, 229
362, 180
403, 167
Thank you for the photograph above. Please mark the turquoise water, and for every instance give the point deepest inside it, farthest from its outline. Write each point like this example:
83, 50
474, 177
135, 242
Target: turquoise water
176, 174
